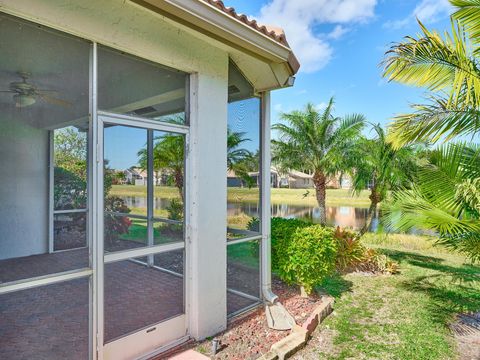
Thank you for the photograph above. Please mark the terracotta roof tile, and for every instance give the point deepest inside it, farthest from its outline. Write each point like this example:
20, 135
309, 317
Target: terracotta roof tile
275, 33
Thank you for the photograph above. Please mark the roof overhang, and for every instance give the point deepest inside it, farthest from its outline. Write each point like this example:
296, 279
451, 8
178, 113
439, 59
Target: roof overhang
215, 23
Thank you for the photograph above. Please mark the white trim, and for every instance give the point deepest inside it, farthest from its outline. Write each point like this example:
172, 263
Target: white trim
265, 258
70, 211
239, 241
244, 310
149, 250
242, 294
51, 192
96, 214
135, 121
43, 280
165, 348
150, 193
147, 340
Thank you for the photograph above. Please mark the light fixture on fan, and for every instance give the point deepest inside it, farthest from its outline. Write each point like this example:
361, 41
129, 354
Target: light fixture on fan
22, 100
26, 94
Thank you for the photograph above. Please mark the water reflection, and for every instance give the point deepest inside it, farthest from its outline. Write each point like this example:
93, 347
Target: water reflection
344, 216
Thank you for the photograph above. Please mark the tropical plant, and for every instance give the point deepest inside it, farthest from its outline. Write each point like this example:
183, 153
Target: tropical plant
168, 155
115, 225
240, 160
317, 142
350, 250
380, 167
446, 194
444, 199
448, 67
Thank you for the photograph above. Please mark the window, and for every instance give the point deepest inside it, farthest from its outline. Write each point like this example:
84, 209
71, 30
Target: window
243, 194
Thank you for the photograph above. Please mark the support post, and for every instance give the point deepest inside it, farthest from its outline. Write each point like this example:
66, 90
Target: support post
150, 194
265, 161
207, 212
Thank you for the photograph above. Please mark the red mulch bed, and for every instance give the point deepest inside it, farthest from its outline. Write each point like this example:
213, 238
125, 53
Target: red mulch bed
249, 337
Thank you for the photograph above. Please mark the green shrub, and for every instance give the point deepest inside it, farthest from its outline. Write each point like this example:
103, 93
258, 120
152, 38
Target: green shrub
350, 250
308, 257
282, 231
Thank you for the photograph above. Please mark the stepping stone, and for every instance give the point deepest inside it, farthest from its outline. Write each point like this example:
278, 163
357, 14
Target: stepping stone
189, 355
278, 317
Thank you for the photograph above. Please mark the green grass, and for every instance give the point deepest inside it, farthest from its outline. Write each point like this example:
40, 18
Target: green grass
244, 253
138, 233
306, 197
403, 316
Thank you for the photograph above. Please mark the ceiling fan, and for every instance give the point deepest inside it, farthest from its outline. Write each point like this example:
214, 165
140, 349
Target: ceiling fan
26, 94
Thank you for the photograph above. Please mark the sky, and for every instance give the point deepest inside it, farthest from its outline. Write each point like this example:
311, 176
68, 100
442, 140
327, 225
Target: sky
340, 44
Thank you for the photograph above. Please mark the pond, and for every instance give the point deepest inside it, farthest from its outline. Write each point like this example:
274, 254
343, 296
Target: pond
343, 216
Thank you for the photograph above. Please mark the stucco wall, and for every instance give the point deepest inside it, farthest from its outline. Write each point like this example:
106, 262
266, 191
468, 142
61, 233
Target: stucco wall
130, 28
23, 189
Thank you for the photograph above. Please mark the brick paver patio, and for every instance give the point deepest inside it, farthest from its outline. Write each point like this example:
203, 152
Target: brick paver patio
51, 322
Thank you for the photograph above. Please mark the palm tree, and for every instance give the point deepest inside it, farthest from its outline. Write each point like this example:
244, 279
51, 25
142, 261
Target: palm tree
240, 160
168, 154
446, 196
380, 167
448, 66
317, 142
445, 199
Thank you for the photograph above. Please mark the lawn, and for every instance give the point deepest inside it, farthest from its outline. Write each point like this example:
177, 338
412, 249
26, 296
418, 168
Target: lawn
403, 316
335, 197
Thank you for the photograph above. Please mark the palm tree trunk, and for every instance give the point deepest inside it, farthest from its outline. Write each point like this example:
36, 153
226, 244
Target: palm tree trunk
375, 198
320, 182
179, 182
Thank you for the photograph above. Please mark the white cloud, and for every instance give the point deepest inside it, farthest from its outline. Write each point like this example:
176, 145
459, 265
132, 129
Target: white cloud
298, 19
428, 12
337, 32
321, 106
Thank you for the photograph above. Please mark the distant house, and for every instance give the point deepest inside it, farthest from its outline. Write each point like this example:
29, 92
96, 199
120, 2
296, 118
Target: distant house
139, 177
133, 176
339, 181
299, 180
295, 179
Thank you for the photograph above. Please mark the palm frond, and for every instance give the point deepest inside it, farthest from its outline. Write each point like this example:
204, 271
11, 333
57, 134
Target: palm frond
444, 199
468, 14
433, 122
436, 63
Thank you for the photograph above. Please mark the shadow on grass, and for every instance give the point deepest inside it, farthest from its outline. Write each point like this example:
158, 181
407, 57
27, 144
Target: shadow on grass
466, 272
335, 286
451, 289
410, 256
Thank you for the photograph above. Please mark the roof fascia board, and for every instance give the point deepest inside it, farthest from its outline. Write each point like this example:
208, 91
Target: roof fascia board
211, 21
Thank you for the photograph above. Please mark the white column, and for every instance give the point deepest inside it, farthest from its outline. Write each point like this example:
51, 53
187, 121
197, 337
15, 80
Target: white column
150, 194
266, 264
206, 190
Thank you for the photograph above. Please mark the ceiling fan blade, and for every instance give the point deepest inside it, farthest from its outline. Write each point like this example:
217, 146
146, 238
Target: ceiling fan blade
46, 91
54, 101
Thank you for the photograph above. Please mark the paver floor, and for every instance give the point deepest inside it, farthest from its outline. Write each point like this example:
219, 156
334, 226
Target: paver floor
51, 322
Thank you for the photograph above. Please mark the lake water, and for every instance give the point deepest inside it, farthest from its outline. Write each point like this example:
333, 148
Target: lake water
343, 216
